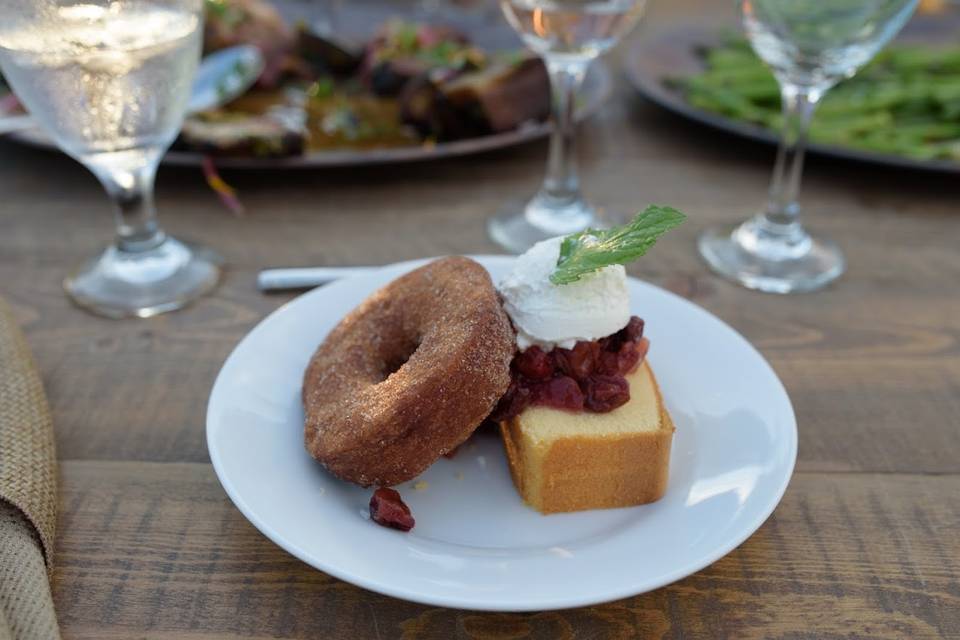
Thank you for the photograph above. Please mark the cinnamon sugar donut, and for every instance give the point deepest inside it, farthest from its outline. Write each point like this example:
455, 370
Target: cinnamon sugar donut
408, 375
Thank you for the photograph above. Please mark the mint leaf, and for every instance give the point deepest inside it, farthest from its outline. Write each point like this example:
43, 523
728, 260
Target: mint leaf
593, 249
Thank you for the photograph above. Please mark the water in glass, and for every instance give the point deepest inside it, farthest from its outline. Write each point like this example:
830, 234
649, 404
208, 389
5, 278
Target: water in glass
105, 81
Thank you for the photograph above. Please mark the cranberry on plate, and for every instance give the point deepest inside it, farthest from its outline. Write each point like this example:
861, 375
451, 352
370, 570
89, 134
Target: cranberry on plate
389, 510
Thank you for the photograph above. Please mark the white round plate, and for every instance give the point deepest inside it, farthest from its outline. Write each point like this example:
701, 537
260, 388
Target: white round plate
475, 544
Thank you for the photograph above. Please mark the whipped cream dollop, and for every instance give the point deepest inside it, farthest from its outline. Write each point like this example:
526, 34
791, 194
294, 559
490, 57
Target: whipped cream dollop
550, 315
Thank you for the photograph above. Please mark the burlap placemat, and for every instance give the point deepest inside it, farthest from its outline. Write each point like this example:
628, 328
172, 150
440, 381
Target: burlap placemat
5, 632
28, 492
25, 600
27, 458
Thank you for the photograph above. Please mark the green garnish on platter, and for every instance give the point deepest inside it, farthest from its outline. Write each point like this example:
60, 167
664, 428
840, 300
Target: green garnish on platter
584, 252
906, 102
229, 14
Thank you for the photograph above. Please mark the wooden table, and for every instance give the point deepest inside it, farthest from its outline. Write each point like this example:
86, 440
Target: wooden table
866, 543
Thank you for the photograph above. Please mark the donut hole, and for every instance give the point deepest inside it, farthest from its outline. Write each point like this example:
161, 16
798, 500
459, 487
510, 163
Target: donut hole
398, 356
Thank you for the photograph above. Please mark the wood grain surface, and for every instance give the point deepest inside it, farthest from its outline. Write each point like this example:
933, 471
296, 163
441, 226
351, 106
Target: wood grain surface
865, 544
156, 550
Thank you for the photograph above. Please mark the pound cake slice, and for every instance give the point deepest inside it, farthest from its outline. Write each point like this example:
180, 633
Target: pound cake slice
562, 461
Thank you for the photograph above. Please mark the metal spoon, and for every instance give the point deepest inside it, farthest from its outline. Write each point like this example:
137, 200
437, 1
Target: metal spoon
305, 277
222, 77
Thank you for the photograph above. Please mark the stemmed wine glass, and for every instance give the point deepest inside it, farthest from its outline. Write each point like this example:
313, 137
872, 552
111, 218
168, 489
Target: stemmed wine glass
568, 35
810, 45
109, 81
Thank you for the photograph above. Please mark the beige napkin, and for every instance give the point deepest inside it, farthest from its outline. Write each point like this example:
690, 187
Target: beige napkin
28, 493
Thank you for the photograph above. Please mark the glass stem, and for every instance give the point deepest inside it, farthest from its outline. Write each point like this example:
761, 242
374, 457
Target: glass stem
131, 191
562, 184
782, 209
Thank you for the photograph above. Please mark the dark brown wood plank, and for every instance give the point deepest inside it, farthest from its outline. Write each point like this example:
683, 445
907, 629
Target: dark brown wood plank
158, 551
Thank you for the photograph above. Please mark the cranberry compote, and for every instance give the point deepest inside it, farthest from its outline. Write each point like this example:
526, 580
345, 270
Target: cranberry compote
589, 377
389, 510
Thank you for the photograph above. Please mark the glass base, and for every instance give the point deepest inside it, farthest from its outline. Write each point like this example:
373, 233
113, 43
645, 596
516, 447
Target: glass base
122, 284
518, 227
791, 262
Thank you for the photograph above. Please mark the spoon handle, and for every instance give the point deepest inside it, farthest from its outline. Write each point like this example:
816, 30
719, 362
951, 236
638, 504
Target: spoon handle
12, 124
304, 278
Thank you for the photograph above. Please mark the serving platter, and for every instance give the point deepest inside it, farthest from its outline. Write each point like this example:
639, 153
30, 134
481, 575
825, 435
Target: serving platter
359, 19
672, 52
476, 545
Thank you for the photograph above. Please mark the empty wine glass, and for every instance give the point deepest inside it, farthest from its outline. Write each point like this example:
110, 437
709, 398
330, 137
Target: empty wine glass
810, 45
568, 35
109, 81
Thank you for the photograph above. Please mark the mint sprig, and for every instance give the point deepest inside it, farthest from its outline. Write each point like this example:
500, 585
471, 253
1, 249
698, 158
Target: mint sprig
584, 252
